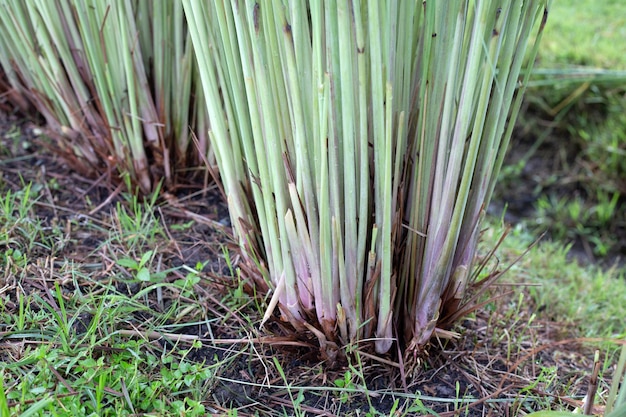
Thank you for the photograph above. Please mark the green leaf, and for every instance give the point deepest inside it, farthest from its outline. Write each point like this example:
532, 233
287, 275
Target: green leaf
128, 263
4, 407
145, 258
143, 275
34, 409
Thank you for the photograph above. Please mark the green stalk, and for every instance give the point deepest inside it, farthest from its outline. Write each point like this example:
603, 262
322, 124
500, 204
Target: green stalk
324, 291
350, 151
226, 155
387, 286
377, 94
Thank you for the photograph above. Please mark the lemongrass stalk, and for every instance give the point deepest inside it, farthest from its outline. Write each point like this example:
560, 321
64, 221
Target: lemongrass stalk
349, 151
496, 139
328, 258
363, 165
251, 96
229, 167
171, 54
440, 251
420, 182
387, 285
136, 102
377, 94
447, 203
336, 218
272, 95
294, 44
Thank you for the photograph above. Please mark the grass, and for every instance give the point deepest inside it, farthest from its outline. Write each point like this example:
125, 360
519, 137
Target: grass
565, 290
572, 138
89, 336
585, 32
116, 309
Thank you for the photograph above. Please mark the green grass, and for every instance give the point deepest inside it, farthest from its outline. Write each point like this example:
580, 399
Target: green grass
577, 129
589, 300
95, 336
562, 306
585, 32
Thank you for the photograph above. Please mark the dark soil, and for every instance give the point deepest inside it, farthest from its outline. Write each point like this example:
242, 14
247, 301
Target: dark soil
498, 368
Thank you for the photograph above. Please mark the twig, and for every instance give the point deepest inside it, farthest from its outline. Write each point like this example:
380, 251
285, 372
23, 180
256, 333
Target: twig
108, 199
593, 385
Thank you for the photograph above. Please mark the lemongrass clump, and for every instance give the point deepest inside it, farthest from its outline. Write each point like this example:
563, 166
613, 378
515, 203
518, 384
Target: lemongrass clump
367, 137
115, 81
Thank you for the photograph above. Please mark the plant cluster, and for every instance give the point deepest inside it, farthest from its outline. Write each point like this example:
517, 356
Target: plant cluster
115, 81
357, 142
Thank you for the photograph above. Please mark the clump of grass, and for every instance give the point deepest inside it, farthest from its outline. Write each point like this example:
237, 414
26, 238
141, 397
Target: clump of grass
115, 82
358, 143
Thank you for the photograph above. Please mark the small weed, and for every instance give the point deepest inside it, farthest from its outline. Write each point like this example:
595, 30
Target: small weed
18, 230
345, 382
186, 284
136, 223
418, 408
142, 272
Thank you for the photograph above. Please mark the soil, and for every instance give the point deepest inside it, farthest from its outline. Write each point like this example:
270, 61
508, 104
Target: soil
498, 361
